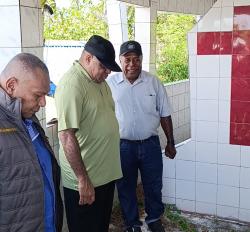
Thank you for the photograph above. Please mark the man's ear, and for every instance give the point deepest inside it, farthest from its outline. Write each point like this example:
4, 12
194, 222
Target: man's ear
10, 86
88, 58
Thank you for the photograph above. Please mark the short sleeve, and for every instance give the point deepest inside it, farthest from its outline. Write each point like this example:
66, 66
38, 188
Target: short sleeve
163, 103
69, 101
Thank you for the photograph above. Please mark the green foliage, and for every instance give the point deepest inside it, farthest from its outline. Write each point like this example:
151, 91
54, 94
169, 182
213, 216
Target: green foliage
171, 60
78, 22
84, 18
131, 22
174, 215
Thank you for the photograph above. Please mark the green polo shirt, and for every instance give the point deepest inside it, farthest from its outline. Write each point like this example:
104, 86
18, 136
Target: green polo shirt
88, 106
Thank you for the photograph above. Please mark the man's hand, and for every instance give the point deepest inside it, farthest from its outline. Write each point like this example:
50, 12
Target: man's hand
170, 151
86, 191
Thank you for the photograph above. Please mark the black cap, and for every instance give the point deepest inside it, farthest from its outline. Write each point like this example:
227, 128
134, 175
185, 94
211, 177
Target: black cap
131, 46
104, 51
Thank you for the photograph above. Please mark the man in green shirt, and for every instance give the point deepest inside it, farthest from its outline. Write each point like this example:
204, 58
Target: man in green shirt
89, 138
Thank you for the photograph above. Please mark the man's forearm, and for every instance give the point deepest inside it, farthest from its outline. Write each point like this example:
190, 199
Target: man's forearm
167, 126
72, 152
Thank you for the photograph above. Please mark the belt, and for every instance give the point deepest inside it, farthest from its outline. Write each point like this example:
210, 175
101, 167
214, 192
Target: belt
138, 141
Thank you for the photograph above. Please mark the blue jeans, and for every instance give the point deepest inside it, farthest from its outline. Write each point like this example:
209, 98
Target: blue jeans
147, 157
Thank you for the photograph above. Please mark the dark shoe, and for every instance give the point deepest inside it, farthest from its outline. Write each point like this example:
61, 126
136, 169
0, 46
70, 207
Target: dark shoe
133, 229
156, 226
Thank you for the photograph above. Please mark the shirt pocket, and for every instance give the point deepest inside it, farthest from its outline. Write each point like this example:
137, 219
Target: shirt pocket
149, 103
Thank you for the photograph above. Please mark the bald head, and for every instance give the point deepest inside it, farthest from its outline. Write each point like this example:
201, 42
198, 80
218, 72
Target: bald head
26, 77
23, 63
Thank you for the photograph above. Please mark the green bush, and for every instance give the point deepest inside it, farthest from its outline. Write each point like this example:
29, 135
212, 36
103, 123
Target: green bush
172, 56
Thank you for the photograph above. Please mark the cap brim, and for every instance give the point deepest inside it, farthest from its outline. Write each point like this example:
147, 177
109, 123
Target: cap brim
112, 66
134, 51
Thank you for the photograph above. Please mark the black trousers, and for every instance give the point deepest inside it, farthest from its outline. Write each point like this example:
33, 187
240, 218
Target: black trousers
89, 218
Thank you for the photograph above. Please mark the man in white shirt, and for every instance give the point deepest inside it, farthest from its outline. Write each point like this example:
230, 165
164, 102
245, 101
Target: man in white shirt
141, 105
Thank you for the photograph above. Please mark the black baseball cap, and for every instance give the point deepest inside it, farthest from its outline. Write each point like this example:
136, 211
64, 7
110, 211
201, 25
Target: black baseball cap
130, 46
104, 51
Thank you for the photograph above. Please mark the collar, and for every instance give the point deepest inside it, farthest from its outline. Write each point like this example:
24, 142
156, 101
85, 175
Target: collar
121, 78
11, 104
81, 69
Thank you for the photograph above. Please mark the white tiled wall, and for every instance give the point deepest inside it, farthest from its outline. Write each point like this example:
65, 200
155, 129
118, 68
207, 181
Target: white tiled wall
179, 97
211, 176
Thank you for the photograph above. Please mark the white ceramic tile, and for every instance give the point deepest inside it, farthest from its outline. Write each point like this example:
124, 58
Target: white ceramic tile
114, 35
172, 5
168, 168
192, 66
185, 189
181, 100
168, 189
169, 89
244, 198
224, 111
30, 3
30, 27
206, 131
229, 154
206, 192
245, 156
148, 55
6, 55
168, 200
217, 3
186, 151
114, 12
187, 116
194, 29
208, 66
225, 89
207, 88
192, 43
241, 2
175, 119
179, 88
227, 2
228, 175
175, 103
228, 196
185, 205
226, 66
227, 212
193, 88
224, 131
206, 152
142, 32
206, 173
207, 110
38, 51
187, 99
244, 177
185, 170
193, 110
205, 208
244, 215
143, 15
9, 2
211, 21
193, 129
227, 19
10, 27
187, 84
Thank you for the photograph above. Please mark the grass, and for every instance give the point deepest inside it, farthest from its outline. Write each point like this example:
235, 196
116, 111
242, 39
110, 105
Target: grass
174, 216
